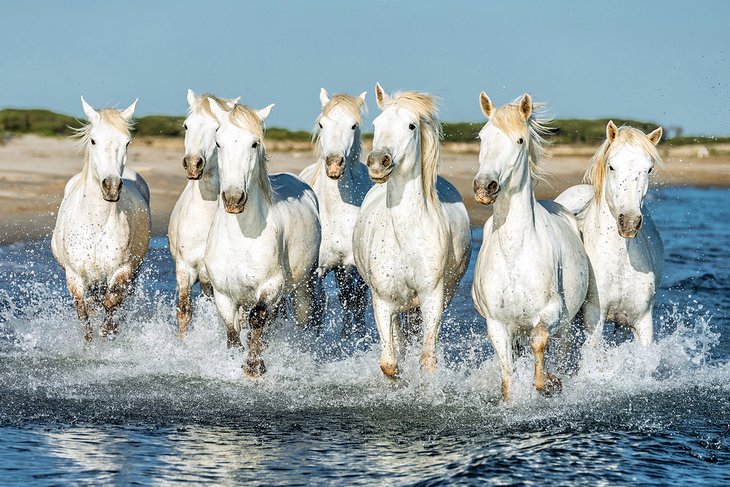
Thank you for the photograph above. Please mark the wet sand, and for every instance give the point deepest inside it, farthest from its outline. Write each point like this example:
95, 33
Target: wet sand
34, 171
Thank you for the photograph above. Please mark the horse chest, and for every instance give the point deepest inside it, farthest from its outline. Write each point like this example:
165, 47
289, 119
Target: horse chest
337, 229
514, 285
191, 221
97, 247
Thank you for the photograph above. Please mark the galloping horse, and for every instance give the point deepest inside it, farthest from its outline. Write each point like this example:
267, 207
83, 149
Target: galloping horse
412, 240
532, 272
624, 246
194, 210
264, 241
340, 181
103, 227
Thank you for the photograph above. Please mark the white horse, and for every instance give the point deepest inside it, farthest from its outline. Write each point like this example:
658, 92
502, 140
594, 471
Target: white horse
103, 226
624, 246
340, 196
412, 240
195, 208
532, 272
264, 240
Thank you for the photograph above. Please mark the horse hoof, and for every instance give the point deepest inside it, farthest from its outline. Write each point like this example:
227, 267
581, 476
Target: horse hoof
109, 331
254, 369
428, 363
551, 387
390, 370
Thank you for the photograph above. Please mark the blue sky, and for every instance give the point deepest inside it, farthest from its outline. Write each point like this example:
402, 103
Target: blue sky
655, 60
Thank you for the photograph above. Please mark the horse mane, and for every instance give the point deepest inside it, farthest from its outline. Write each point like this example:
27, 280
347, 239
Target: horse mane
246, 118
596, 173
424, 107
110, 116
354, 106
202, 104
510, 120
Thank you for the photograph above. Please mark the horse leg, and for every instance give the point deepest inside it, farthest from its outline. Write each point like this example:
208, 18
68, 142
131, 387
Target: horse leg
502, 343
207, 288
644, 328
432, 307
545, 383
345, 295
114, 296
309, 302
228, 310
593, 320
413, 324
76, 288
359, 302
185, 279
386, 315
257, 319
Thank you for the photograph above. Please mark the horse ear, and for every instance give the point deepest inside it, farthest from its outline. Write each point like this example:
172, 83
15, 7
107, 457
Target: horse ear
218, 111
362, 95
91, 114
526, 106
129, 111
263, 114
656, 136
380, 95
486, 105
611, 131
231, 102
192, 97
324, 97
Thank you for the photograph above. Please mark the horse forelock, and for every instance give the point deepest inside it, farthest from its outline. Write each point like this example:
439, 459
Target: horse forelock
423, 106
595, 175
510, 120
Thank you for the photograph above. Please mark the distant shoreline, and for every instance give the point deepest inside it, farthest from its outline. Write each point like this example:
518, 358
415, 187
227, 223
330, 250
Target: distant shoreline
35, 169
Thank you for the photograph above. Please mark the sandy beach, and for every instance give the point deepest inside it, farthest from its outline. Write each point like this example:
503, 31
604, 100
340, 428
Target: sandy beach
34, 170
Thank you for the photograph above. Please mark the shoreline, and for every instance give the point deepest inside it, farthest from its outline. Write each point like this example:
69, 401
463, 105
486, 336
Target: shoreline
34, 171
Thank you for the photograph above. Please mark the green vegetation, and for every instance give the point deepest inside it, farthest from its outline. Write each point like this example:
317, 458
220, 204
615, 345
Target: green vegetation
565, 131
41, 122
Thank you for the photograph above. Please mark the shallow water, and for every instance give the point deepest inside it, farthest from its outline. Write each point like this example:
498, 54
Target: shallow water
146, 407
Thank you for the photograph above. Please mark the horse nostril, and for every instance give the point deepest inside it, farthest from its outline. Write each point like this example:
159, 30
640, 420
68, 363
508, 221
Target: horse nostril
621, 219
387, 161
493, 187
199, 165
638, 222
185, 162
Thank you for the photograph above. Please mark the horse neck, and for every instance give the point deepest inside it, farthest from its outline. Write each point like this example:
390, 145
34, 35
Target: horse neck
514, 209
253, 219
90, 181
208, 186
340, 188
405, 198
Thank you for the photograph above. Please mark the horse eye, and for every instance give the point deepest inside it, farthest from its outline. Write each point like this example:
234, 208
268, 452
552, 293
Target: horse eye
610, 167
320, 125
412, 126
255, 144
650, 170
93, 142
520, 141
129, 143
217, 144
354, 127
185, 126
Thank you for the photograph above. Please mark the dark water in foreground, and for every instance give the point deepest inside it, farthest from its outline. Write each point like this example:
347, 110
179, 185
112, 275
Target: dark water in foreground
146, 407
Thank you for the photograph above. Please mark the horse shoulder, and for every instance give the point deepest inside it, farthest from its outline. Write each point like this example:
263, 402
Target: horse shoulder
576, 199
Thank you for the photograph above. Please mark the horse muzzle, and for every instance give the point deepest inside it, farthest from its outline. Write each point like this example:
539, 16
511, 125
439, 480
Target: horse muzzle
234, 200
110, 188
628, 226
380, 166
335, 166
193, 166
486, 193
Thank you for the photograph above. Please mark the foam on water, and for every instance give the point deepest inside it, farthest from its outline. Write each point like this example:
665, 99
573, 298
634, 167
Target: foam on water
43, 351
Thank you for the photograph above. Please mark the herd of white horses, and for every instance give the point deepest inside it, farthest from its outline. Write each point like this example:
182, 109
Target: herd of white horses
260, 244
